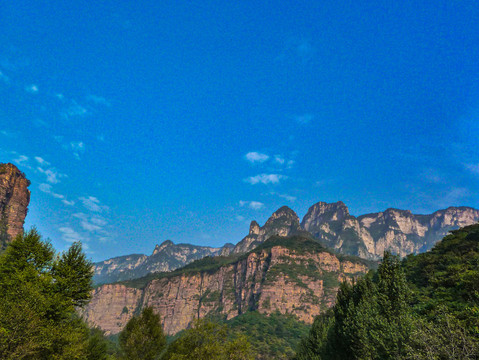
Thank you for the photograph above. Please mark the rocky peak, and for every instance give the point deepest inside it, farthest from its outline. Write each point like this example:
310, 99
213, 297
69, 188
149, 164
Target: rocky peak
163, 245
14, 200
323, 212
254, 228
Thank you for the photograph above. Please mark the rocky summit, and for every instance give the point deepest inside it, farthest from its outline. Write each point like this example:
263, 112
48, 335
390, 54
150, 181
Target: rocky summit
14, 200
398, 231
165, 257
283, 222
293, 275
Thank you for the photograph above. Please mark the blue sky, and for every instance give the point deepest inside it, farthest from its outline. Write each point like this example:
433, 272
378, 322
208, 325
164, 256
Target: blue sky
141, 121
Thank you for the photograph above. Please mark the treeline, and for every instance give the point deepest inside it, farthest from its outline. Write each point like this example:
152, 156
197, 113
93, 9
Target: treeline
425, 307
41, 293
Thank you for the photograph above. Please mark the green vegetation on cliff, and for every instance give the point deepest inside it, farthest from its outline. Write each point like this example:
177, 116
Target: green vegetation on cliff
425, 307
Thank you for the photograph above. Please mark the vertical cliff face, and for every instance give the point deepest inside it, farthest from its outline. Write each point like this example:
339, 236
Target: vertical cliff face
299, 278
398, 231
283, 222
14, 200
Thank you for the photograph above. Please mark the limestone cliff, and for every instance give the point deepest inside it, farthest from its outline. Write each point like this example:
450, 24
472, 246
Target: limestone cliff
398, 231
292, 275
283, 222
14, 200
165, 257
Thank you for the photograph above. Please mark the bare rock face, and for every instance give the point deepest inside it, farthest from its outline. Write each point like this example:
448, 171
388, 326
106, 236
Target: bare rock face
301, 280
398, 231
14, 200
283, 222
165, 257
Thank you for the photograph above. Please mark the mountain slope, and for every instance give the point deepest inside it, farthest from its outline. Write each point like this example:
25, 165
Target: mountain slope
294, 275
165, 257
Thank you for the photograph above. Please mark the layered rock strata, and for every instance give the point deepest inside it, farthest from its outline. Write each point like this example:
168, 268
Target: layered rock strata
295, 281
14, 200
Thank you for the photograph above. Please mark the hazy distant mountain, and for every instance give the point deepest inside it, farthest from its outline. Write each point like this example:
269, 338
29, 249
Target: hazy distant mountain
165, 257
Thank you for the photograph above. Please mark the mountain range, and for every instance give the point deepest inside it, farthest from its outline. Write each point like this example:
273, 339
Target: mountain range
367, 236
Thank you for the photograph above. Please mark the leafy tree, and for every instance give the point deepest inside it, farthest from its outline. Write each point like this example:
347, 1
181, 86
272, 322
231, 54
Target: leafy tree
207, 340
39, 294
143, 337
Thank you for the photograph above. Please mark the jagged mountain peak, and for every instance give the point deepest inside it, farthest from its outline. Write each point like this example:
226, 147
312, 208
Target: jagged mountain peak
254, 228
162, 246
322, 212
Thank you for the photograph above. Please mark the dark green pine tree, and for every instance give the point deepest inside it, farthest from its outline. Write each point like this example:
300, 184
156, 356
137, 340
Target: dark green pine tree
143, 337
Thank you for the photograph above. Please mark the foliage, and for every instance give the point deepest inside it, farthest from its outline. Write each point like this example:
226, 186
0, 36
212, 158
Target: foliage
425, 307
208, 340
39, 295
271, 337
143, 337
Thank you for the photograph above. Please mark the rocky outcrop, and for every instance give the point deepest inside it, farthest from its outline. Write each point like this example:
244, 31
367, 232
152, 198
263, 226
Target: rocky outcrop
398, 231
165, 257
298, 277
283, 222
14, 200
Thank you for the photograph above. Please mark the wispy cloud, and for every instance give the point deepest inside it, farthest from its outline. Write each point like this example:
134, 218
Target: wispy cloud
284, 196
41, 161
93, 204
304, 119
4, 78
254, 157
474, 168
74, 110
32, 89
52, 176
21, 160
78, 148
91, 223
70, 235
98, 100
47, 188
255, 205
265, 179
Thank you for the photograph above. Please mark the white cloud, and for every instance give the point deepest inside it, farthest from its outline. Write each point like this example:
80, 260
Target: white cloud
93, 204
21, 160
304, 119
240, 218
33, 89
53, 177
47, 189
78, 148
69, 203
279, 159
41, 161
70, 235
265, 179
74, 110
255, 205
256, 157
98, 100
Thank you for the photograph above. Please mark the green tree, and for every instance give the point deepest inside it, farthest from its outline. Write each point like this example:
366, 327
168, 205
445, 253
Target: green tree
372, 319
39, 294
143, 337
207, 340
